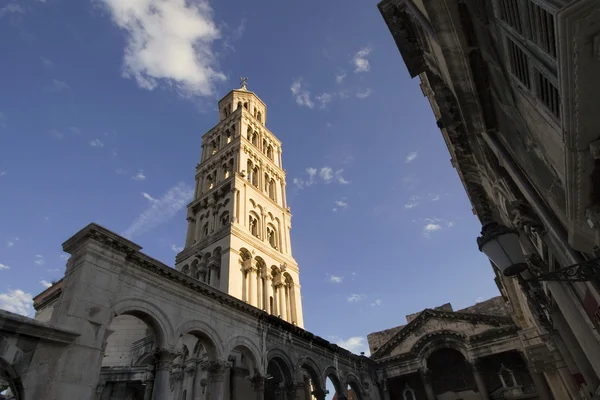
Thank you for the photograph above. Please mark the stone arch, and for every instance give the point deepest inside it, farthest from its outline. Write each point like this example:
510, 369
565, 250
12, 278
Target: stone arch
151, 315
354, 383
332, 373
248, 348
283, 357
245, 254
312, 369
11, 353
431, 342
210, 337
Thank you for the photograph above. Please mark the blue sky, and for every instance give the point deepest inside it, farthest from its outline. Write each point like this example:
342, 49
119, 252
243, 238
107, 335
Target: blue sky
103, 106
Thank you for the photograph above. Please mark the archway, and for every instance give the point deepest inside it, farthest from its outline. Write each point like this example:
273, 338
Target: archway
333, 386
309, 375
279, 384
243, 366
10, 383
451, 371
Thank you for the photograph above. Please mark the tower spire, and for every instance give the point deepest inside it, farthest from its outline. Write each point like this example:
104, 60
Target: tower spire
243, 83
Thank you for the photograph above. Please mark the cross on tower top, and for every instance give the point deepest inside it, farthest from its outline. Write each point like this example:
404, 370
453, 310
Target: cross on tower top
243, 82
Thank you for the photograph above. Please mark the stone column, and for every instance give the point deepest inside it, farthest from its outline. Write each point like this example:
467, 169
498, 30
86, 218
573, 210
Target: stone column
541, 386
258, 384
176, 382
200, 383
281, 298
251, 281
426, 378
148, 390
227, 380
161, 380
259, 289
288, 304
481, 387
99, 389
190, 373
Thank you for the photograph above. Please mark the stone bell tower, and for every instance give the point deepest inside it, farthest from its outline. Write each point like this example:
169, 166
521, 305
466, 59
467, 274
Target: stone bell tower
238, 236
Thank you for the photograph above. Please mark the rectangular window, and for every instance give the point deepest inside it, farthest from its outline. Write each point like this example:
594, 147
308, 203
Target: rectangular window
509, 13
547, 93
519, 63
541, 28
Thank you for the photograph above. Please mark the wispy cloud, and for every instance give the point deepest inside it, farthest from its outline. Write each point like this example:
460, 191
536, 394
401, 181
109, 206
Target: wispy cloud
355, 344
364, 94
335, 279
435, 224
413, 201
339, 78
45, 283
12, 242
47, 63
11, 8
121, 171
301, 95
139, 176
161, 210
326, 175
64, 256
411, 157
356, 297
3, 266
435, 198
360, 61
376, 303
169, 42
56, 86
339, 206
39, 260
96, 143
147, 196
325, 98
2, 173
17, 301
176, 249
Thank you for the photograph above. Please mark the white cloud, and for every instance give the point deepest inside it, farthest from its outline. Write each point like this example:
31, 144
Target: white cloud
365, 94
169, 42
147, 196
340, 179
335, 279
176, 248
360, 61
161, 210
353, 298
64, 256
96, 143
432, 227
376, 303
3, 266
2, 173
121, 171
17, 301
326, 174
10, 244
339, 78
412, 202
340, 205
411, 157
355, 344
45, 283
139, 176
299, 183
478, 300
302, 95
39, 260
436, 224
47, 63
57, 86
435, 198
11, 8
450, 224
325, 98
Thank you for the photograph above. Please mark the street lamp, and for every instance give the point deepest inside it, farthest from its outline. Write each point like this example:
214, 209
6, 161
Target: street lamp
501, 245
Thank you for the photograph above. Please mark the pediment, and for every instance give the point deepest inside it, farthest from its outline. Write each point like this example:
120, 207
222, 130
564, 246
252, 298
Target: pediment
430, 324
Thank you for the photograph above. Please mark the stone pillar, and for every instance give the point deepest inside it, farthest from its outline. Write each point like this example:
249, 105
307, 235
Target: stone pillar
190, 231
176, 381
259, 290
541, 386
99, 389
200, 383
251, 282
281, 298
258, 384
161, 380
148, 390
288, 304
426, 378
190, 373
227, 380
481, 386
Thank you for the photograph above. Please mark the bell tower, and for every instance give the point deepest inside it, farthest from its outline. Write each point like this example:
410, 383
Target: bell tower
238, 235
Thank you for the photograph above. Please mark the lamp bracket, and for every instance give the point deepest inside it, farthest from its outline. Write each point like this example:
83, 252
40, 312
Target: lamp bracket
581, 272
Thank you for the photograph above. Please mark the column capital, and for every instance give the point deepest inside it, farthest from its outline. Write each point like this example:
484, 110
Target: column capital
475, 365
215, 367
426, 375
190, 368
257, 381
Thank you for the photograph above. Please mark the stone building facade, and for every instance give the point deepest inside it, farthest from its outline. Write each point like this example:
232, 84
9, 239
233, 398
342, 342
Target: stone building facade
513, 85
476, 353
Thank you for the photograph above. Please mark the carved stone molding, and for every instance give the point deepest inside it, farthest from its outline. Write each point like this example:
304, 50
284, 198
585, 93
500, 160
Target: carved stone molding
523, 217
257, 381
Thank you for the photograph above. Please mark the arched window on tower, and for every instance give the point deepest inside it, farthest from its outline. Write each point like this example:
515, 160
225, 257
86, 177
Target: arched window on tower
210, 181
249, 134
250, 169
272, 237
239, 105
255, 139
225, 219
246, 106
264, 146
266, 182
270, 152
205, 230
253, 225
259, 116
227, 136
214, 147
272, 192
255, 176
226, 172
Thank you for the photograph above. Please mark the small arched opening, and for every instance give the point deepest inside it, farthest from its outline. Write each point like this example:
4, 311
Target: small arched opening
279, 384
451, 371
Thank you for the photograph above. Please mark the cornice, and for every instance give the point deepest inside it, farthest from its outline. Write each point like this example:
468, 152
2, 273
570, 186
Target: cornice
15, 323
428, 314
